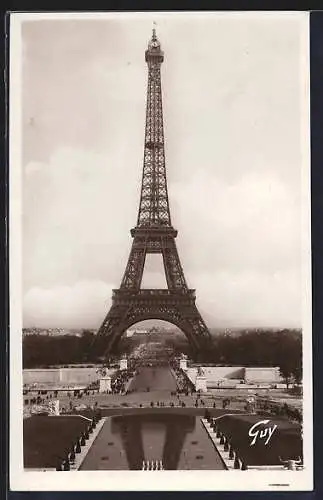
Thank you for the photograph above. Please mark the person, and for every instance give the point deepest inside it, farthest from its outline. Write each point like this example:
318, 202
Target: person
291, 464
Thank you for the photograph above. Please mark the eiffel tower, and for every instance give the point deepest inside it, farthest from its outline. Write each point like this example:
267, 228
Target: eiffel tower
153, 234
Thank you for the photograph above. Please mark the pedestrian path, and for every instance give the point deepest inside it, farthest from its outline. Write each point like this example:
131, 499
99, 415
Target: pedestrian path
225, 455
80, 457
229, 456
154, 379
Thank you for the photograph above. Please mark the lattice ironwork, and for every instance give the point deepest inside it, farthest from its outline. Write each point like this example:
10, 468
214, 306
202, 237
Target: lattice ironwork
153, 233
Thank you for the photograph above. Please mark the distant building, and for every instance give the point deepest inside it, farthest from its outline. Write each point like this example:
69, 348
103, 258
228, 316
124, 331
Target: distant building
136, 331
52, 332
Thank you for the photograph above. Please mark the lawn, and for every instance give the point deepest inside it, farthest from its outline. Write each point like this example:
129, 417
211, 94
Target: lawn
47, 439
285, 442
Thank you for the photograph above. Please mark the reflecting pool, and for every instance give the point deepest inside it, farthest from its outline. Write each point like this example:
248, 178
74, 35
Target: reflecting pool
178, 442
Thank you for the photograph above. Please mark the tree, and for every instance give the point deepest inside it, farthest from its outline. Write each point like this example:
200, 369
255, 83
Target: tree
298, 374
286, 373
290, 357
86, 341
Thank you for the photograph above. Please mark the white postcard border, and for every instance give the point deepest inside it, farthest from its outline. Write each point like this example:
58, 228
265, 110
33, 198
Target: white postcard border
21, 480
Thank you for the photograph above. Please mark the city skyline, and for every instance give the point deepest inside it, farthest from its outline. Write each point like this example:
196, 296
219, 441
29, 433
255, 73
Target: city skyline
232, 113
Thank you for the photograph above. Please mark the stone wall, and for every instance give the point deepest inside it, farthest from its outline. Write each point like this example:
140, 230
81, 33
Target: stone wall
78, 375
231, 376
62, 376
215, 373
262, 374
41, 376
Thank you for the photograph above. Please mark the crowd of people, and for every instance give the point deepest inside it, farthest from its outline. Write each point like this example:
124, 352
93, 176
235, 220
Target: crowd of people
120, 380
184, 384
198, 403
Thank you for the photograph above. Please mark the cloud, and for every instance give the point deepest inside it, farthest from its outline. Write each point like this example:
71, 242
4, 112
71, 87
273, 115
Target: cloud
239, 243
82, 305
232, 128
249, 299
253, 223
76, 224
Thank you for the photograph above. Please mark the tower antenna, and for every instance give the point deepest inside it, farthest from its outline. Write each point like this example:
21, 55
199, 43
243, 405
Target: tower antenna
154, 31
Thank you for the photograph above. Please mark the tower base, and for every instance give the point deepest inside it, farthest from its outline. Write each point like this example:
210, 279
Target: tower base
130, 307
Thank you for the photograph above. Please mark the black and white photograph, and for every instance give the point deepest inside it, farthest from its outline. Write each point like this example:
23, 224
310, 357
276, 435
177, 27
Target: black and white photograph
160, 252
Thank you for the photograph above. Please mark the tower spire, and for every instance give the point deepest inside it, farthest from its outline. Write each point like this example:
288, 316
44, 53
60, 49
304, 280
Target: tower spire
154, 37
154, 204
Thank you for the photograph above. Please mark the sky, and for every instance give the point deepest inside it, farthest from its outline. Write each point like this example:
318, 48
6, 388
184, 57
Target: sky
232, 88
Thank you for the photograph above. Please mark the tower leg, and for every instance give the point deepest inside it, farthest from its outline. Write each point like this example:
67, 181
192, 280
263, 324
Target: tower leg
138, 307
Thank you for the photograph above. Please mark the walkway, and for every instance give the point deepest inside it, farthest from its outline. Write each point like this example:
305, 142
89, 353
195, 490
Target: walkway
154, 378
